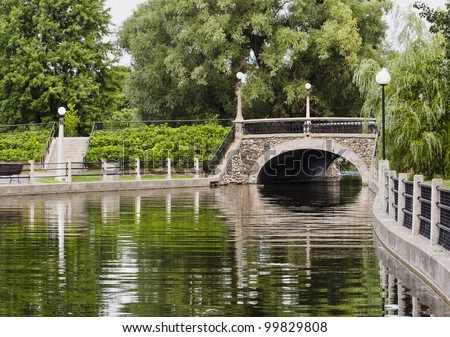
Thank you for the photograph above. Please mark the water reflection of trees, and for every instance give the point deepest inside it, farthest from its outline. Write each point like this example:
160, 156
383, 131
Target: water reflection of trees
193, 252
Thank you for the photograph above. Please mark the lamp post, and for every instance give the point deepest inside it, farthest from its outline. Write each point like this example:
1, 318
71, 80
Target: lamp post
383, 78
308, 88
239, 121
241, 78
308, 111
61, 112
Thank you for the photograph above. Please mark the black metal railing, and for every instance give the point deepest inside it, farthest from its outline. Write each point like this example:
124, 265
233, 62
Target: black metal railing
318, 125
395, 203
425, 211
174, 123
259, 128
386, 187
48, 143
444, 224
408, 210
210, 165
432, 212
20, 128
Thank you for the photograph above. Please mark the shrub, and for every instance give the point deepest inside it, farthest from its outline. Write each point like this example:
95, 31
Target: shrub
157, 142
25, 146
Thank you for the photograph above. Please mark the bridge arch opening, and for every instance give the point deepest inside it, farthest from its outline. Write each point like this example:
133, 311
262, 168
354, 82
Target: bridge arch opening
304, 160
297, 166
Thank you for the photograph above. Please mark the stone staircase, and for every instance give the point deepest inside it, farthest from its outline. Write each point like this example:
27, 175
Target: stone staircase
75, 149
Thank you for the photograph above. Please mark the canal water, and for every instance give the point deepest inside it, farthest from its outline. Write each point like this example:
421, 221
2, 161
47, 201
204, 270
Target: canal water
281, 250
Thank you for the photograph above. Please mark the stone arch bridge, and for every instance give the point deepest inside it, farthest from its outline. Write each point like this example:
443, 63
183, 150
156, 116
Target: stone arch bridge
294, 149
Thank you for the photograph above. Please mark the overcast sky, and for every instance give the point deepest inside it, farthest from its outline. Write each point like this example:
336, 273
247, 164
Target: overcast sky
120, 10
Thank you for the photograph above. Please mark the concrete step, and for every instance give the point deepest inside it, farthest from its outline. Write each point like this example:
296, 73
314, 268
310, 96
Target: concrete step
75, 149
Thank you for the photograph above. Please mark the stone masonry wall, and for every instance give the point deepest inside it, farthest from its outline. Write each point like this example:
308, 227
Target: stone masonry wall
241, 163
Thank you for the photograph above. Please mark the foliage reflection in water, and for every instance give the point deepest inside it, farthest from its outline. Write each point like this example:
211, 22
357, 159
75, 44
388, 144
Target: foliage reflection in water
292, 250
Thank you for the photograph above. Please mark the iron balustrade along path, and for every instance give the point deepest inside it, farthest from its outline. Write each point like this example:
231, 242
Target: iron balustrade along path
211, 164
327, 125
421, 208
120, 125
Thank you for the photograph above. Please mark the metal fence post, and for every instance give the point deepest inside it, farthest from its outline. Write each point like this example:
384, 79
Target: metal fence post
417, 193
384, 188
392, 175
31, 179
436, 184
69, 171
402, 177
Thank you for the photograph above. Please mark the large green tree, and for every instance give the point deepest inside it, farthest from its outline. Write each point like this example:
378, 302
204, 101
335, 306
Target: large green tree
185, 54
417, 118
52, 53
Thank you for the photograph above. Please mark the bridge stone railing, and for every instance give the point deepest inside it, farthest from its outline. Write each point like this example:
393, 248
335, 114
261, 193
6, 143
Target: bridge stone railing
421, 208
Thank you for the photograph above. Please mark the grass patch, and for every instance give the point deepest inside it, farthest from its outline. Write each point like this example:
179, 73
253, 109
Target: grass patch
96, 178
446, 183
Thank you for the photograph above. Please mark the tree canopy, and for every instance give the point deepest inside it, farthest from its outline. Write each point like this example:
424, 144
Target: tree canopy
185, 55
53, 53
417, 117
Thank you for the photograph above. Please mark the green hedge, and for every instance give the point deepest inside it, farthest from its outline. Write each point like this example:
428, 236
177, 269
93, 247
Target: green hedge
25, 146
157, 142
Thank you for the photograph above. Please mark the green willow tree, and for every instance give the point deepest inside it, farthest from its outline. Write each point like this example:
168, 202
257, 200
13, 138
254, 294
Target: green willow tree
52, 53
417, 120
185, 55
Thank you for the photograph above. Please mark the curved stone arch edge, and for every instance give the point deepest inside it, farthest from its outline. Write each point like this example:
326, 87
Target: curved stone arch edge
311, 144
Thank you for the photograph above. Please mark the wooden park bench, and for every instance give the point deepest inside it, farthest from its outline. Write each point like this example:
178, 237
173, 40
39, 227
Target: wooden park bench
11, 170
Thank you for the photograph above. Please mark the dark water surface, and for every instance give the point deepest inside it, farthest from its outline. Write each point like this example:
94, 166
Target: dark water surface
286, 250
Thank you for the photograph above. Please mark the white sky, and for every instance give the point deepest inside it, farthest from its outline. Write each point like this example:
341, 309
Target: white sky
120, 10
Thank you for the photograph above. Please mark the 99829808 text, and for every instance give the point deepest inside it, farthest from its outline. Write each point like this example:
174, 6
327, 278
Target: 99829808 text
307, 327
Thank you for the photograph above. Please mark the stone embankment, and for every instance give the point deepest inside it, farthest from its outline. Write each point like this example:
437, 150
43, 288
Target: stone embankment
407, 221
101, 186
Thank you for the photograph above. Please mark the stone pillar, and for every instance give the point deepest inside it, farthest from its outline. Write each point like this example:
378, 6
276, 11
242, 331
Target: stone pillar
384, 189
383, 168
391, 305
392, 175
435, 211
169, 169
416, 310
138, 169
402, 177
238, 129
103, 169
418, 179
31, 177
401, 294
382, 165
197, 168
